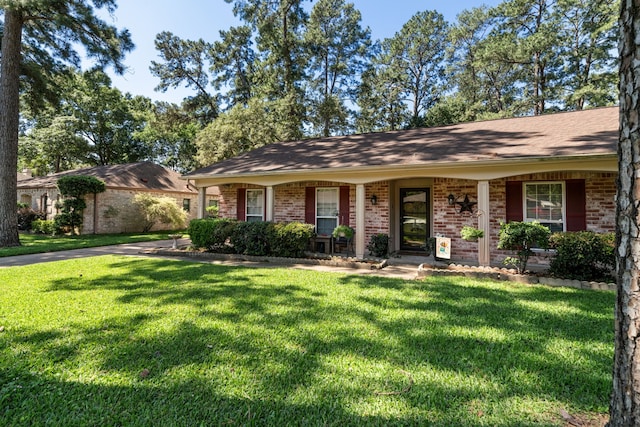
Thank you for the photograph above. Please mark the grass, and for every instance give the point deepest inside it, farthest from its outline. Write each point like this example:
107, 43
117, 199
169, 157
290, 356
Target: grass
40, 243
129, 341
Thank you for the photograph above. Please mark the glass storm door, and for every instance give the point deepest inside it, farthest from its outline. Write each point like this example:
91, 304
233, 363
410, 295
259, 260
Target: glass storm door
414, 211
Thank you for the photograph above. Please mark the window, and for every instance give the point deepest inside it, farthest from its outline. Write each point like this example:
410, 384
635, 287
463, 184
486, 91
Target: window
544, 202
327, 210
255, 205
186, 205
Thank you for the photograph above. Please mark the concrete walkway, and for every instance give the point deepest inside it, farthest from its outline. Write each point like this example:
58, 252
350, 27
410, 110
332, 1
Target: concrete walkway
402, 269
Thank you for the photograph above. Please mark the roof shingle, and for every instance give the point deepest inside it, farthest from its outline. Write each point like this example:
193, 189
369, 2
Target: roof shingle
579, 133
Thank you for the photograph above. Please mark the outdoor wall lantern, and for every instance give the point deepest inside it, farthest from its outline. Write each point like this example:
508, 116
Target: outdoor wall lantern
451, 199
374, 200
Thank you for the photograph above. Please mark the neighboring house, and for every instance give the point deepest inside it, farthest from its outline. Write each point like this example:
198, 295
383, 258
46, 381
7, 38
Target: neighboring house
559, 169
113, 211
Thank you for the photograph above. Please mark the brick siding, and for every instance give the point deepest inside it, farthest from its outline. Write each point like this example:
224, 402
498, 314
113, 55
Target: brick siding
446, 220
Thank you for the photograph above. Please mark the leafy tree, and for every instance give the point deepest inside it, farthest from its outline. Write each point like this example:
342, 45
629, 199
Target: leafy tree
234, 65
53, 146
533, 38
380, 95
170, 134
625, 396
159, 209
280, 68
74, 188
107, 119
186, 63
39, 36
586, 53
483, 81
338, 48
417, 52
239, 130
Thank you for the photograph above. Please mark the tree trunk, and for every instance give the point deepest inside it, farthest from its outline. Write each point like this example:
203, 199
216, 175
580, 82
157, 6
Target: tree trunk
625, 398
9, 111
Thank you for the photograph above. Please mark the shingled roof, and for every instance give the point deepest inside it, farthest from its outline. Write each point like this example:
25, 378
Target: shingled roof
139, 176
569, 134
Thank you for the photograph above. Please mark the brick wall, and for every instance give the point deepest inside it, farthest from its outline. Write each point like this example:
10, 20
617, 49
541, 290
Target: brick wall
447, 221
290, 203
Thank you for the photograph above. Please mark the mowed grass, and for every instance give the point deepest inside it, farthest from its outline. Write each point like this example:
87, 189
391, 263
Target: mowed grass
130, 341
40, 243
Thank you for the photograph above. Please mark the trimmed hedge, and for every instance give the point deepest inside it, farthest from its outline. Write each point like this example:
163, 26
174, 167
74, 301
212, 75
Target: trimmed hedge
259, 238
291, 239
212, 234
583, 255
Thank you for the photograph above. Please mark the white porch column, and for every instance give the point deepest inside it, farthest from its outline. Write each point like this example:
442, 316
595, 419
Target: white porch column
271, 201
360, 225
484, 248
202, 201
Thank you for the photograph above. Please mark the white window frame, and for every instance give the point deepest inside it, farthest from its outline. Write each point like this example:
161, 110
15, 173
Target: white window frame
254, 216
525, 218
335, 215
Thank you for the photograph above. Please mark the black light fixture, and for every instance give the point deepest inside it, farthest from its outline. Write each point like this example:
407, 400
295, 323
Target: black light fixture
451, 199
374, 200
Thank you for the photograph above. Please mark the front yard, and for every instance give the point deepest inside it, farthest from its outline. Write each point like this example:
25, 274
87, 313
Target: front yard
130, 341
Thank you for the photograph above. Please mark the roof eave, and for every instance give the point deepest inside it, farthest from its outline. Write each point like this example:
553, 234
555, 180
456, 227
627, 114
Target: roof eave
472, 169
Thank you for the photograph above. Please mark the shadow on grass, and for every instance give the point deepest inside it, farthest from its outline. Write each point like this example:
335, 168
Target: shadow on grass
250, 346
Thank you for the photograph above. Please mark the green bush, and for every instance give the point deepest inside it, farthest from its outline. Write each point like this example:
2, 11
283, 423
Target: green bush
521, 237
290, 240
165, 210
211, 234
43, 226
251, 238
26, 216
379, 245
73, 188
257, 238
583, 255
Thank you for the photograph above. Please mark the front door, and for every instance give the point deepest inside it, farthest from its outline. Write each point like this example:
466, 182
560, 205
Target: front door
414, 211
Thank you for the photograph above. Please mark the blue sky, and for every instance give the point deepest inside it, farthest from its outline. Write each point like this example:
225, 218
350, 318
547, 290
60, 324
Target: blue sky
195, 19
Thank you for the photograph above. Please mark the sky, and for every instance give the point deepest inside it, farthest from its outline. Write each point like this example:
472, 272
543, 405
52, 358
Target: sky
203, 19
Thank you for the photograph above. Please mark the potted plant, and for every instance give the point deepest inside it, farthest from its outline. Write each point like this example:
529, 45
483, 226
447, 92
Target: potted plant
343, 231
471, 234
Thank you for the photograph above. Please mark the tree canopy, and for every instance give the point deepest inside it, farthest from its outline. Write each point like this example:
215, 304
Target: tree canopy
39, 39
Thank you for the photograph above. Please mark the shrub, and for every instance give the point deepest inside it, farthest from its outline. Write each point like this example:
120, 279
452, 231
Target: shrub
26, 216
290, 239
583, 255
43, 226
251, 238
70, 216
211, 234
159, 209
521, 237
379, 245
74, 187
257, 238
471, 234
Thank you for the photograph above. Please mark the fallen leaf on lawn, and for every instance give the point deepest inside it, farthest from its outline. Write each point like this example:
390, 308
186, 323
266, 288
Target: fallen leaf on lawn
144, 373
570, 418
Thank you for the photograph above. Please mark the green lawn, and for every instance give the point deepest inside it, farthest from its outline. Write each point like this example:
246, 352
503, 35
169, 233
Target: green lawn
39, 243
130, 341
